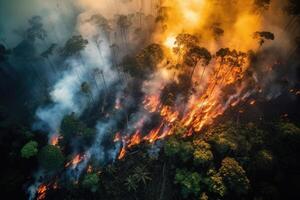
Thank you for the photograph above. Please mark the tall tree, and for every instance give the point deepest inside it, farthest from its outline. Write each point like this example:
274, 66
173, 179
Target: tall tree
51, 158
124, 23
197, 55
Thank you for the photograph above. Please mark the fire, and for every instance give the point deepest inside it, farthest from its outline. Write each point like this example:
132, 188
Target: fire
135, 139
151, 103
170, 42
168, 114
117, 137
200, 18
75, 161
122, 153
153, 135
41, 192
252, 102
54, 139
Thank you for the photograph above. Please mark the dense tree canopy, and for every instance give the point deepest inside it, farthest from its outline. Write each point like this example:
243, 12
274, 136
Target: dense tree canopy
51, 158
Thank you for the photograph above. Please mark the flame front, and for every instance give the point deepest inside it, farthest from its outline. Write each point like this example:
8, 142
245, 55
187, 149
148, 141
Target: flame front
203, 19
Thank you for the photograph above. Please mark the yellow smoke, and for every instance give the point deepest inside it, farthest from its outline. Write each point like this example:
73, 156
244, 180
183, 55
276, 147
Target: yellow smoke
197, 17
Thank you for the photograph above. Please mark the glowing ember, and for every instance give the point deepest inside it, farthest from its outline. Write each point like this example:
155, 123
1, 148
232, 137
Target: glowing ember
252, 102
54, 139
117, 137
41, 192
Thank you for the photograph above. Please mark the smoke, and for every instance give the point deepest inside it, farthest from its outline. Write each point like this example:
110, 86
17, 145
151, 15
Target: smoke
115, 29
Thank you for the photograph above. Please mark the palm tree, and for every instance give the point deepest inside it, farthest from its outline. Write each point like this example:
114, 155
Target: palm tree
141, 175
131, 183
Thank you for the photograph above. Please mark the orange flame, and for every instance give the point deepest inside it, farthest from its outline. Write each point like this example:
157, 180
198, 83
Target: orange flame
41, 192
54, 139
151, 103
75, 161
135, 139
122, 153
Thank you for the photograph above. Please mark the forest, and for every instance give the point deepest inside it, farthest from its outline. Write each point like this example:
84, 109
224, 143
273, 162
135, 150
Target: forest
150, 99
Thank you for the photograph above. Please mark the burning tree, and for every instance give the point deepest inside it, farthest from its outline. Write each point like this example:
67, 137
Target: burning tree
197, 55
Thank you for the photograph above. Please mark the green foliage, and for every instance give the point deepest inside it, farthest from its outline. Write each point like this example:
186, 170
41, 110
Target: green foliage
222, 140
289, 131
174, 148
263, 160
91, 182
141, 175
189, 182
72, 127
202, 152
229, 139
131, 183
51, 158
215, 183
203, 196
30, 149
234, 176
73, 46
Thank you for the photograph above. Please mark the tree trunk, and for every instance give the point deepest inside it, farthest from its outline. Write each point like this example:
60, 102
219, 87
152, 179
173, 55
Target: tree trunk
163, 183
